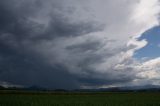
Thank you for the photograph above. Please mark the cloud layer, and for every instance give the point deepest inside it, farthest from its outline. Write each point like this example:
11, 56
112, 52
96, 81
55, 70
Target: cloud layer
76, 44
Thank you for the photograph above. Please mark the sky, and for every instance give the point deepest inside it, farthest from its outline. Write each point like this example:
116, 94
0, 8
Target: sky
152, 49
74, 44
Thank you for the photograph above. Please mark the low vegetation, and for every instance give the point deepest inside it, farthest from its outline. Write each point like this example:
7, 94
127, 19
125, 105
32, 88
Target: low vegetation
16, 98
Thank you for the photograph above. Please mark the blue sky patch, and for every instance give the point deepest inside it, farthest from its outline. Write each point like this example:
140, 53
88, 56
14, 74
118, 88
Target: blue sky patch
152, 49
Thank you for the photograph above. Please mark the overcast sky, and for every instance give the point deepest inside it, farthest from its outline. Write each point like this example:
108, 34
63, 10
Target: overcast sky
79, 43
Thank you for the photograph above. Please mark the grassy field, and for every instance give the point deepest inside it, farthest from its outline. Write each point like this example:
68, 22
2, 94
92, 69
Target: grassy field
78, 99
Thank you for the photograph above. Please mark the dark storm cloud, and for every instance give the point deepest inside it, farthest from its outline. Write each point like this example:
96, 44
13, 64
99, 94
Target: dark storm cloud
26, 70
60, 26
15, 19
19, 66
94, 82
52, 44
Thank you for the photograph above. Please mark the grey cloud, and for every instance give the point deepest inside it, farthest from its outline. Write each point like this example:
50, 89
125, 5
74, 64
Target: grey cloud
23, 67
27, 70
52, 44
20, 19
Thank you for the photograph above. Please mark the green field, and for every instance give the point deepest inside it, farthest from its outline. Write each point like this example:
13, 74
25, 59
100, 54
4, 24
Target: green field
78, 99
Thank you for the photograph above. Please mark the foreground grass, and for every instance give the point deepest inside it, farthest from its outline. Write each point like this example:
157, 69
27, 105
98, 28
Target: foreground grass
78, 99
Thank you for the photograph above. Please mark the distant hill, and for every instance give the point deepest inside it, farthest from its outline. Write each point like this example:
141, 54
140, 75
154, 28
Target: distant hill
110, 89
35, 88
1, 88
124, 89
